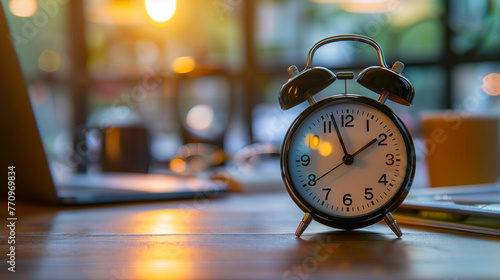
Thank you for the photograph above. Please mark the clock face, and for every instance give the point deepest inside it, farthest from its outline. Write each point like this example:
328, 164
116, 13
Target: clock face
348, 158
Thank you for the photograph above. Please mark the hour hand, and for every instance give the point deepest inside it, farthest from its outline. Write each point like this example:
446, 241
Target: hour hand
338, 134
364, 147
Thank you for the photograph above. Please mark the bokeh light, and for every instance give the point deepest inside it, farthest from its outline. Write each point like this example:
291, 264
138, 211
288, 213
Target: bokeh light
49, 61
312, 141
160, 11
23, 8
325, 149
491, 84
178, 165
183, 64
200, 117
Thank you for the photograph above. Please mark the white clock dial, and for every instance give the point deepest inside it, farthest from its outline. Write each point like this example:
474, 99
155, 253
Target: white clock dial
347, 159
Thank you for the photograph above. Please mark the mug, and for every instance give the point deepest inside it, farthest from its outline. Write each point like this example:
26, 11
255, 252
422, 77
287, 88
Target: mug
125, 149
462, 148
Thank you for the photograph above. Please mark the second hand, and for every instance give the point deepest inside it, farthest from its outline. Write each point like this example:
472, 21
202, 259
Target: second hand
329, 171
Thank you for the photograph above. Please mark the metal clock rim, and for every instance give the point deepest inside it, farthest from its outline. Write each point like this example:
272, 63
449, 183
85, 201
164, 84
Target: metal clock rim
363, 220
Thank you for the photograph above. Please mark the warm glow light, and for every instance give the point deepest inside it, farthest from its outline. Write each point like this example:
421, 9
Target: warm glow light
325, 149
491, 84
178, 165
23, 8
367, 6
183, 64
200, 117
117, 12
160, 10
164, 258
113, 144
49, 61
312, 141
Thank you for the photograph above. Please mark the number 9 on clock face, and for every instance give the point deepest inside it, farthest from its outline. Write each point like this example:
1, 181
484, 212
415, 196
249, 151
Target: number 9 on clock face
348, 160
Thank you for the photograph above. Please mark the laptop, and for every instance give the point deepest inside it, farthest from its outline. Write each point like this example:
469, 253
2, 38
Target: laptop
24, 162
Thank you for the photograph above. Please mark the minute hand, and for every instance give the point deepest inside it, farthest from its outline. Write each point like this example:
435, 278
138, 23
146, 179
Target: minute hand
338, 134
364, 147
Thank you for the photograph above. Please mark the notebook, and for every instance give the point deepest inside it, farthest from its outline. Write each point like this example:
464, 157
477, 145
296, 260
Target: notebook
24, 163
474, 208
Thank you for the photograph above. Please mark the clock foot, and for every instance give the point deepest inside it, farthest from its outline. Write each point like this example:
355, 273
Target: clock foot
391, 222
306, 220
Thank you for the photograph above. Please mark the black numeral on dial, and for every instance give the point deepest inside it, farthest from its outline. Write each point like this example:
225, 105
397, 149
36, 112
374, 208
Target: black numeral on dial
347, 199
346, 121
382, 137
383, 179
327, 126
327, 190
305, 160
368, 193
390, 159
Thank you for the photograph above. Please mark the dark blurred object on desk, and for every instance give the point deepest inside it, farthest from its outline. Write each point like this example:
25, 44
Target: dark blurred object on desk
256, 168
204, 99
125, 149
114, 148
197, 157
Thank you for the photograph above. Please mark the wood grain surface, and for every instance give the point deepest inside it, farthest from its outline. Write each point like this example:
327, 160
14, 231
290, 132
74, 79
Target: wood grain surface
233, 236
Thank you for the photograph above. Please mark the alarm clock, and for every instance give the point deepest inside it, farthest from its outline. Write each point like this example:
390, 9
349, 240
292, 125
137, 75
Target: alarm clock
347, 161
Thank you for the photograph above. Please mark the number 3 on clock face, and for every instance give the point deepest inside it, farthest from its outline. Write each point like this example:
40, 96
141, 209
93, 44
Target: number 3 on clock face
348, 160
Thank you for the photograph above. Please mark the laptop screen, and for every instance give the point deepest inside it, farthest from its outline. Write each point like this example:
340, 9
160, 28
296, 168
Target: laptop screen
20, 143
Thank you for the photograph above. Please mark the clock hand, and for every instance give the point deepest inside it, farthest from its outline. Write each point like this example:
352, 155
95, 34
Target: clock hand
349, 159
338, 134
364, 147
329, 171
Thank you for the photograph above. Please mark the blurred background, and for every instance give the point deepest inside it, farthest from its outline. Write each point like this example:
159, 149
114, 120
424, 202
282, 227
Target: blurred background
209, 71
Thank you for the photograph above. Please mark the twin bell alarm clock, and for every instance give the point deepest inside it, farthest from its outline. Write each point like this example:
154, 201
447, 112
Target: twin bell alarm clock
347, 161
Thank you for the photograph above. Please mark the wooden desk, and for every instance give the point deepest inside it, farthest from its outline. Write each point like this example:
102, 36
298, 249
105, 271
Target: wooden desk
246, 236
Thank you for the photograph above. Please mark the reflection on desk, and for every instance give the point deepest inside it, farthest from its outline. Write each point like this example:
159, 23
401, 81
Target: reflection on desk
249, 236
